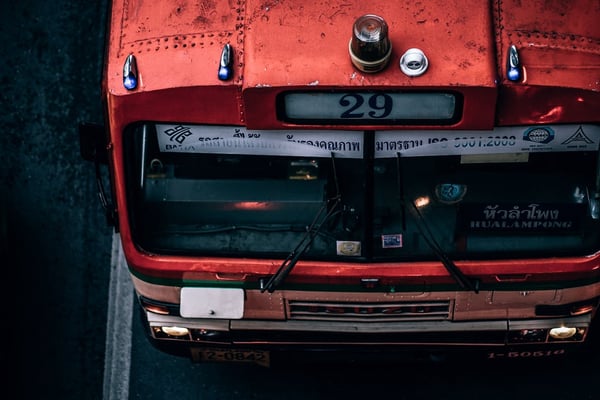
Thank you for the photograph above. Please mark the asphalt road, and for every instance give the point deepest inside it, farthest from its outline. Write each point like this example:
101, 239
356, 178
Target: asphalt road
57, 244
56, 257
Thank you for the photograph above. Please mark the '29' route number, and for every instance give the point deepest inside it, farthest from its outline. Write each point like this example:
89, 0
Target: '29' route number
378, 105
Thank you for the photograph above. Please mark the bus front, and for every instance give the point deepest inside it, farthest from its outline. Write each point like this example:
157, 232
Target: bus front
334, 177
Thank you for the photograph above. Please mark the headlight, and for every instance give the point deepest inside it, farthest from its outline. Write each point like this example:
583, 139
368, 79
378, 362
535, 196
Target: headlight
562, 332
171, 332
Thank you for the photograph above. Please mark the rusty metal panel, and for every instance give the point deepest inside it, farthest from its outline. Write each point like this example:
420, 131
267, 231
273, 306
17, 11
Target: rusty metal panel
558, 44
299, 43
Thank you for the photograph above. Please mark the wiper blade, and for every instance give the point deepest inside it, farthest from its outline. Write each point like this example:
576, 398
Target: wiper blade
463, 280
311, 232
292, 258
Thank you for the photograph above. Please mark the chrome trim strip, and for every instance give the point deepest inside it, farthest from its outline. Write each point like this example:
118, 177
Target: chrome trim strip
370, 327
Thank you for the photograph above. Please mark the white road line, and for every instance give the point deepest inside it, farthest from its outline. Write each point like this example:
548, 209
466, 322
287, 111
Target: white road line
118, 327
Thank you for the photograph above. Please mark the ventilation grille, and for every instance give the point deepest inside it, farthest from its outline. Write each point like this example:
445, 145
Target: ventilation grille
397, 311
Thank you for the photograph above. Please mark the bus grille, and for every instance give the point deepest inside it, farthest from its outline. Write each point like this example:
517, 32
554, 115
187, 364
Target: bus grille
397, 311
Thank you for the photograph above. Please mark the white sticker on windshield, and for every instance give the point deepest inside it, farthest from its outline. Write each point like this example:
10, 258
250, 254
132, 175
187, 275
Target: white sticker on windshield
500, 140
239, 140
350, 144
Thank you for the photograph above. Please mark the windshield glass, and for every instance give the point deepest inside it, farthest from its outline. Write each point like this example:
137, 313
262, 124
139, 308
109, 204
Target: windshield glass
228, 191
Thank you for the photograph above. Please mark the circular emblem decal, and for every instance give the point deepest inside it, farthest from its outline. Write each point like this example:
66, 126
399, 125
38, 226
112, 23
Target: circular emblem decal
539, 135
450, 193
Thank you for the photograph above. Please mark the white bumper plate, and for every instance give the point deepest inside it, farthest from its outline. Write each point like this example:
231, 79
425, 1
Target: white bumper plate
212, 303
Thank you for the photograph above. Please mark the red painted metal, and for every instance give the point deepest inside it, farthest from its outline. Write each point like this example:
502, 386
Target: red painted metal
290, 45
559, 47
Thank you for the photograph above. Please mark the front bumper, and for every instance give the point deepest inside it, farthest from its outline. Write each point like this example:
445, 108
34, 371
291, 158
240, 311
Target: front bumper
488, 339
489, 324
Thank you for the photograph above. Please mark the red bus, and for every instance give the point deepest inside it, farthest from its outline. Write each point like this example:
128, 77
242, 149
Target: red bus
344, 177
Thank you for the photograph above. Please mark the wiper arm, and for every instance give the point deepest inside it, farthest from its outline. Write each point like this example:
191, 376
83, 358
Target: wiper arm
312, 231
463, 280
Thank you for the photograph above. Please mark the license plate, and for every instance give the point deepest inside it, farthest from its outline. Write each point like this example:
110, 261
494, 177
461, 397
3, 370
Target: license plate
234, 356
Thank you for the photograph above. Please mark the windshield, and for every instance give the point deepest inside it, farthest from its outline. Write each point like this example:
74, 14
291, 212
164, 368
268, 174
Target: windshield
228, 191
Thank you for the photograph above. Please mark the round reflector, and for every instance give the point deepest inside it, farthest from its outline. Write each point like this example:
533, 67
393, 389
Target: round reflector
414, 62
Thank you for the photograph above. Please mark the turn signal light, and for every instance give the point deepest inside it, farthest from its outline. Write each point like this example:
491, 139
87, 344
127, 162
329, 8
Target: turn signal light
130, 73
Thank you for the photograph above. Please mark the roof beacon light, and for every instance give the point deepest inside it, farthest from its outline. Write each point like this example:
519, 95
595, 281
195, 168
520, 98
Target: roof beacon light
370, 47
130, 73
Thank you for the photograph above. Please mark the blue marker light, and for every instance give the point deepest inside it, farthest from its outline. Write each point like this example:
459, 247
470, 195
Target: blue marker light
130, 73
514, 71
226, 63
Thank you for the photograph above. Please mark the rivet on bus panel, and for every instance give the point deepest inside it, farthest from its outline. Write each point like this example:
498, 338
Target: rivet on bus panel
130, 73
